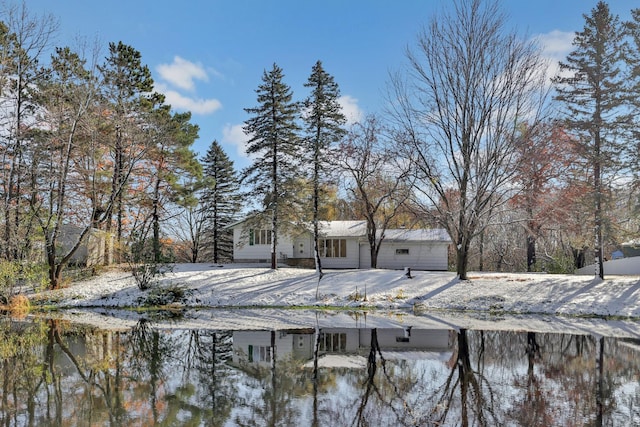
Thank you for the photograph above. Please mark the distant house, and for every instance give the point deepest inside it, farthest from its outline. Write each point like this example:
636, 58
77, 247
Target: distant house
96, 248
630, 248
344, 244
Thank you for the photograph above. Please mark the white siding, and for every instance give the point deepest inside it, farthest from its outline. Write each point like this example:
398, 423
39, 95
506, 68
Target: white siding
350, 261
244, 252
421, 256
428, 248
625, 266
352, 335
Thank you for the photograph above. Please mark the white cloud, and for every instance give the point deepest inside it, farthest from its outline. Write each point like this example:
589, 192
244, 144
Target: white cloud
182, 73
234, 135
185, 103
350, 109
555, 46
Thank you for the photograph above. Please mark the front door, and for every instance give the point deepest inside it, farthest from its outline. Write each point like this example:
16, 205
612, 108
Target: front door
302, 247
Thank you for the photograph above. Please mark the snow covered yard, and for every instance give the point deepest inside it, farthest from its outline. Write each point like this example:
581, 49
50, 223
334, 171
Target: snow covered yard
236, 285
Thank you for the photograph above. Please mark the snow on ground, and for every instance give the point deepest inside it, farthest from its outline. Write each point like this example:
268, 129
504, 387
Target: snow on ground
234, 285
237, 296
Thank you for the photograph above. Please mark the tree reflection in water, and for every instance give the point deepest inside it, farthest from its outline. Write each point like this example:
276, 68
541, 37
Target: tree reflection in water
56, 373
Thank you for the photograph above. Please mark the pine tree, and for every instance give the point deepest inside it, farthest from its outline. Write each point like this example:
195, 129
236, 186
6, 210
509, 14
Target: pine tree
633, 62
324, 123
593, 94
221, 201
127, 89
168, 161
275, 143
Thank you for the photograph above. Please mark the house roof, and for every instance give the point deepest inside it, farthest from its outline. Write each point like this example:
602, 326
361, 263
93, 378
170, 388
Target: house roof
359, 229
343, 228
420, 235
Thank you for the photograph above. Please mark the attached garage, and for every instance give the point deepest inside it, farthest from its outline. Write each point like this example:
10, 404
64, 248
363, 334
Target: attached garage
424, 249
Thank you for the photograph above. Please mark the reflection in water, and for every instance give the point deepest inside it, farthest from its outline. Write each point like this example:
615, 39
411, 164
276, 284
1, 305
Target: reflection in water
55, 373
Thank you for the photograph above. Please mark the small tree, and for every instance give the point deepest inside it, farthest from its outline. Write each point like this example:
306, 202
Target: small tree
545, 155
146, 260
220, 202
378, 187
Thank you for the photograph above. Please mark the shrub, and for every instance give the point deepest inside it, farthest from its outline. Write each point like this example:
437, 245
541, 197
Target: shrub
9, 275
167, 295
19, 306
145, 264
559, 264
35, 275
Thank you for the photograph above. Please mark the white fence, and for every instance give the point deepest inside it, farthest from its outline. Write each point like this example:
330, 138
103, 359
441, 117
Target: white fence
630, 266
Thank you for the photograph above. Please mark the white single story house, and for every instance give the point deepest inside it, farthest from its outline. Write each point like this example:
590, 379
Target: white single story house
344, 244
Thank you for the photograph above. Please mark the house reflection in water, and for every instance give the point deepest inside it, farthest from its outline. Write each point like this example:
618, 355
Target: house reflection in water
341, 346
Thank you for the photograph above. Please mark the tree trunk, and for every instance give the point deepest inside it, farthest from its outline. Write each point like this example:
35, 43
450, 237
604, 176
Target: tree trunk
157, 255
462, 258
274, 241
531, 253
481, 260
316, 196
597, 184
216, 226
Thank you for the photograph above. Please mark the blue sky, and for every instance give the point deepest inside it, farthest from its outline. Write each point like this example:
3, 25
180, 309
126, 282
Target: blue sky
208, 56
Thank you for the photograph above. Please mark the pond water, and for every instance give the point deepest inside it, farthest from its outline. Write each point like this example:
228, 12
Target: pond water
58, 373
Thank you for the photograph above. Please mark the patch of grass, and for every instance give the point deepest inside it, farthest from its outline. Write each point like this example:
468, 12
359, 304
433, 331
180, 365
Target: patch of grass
357, 295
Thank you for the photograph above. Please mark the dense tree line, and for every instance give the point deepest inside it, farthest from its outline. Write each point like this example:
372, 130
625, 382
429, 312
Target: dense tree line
87, 147
471, 142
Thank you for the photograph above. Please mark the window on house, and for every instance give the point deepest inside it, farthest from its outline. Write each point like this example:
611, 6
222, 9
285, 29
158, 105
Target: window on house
402, 251
332, 248
259, 237
259, 353
336, 342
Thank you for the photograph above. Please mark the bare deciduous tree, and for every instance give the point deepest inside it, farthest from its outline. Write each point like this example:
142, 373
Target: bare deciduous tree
468, 85
377, 185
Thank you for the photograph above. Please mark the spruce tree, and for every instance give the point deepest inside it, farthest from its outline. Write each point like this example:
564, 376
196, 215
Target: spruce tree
633, 68
324, 126
593, 90
221, 202
274, 144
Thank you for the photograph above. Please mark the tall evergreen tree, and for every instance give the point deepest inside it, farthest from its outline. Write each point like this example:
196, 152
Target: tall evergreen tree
274, 142
633, 68
168, 161
593, 91
127, 89
221, 202
324, 126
